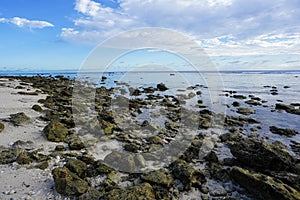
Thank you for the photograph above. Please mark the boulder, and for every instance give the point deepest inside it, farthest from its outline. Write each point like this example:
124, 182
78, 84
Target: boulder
56, 131
263, 186
37, 108
158, 177
76, 166
68, 183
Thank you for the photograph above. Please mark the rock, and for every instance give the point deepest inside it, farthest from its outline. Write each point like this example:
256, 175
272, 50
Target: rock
162, 87
19, 119
143, 191
263, 186
60, 148
77, 166
155, 139
55, 131
92, 194
283, 131
37, 108
121, 161
75, 143
187, 174
288, 108
236, 96
68, 183
24, 158
43, 165
158, 177
1, 127
140, 160
261, 155
253, 102
102, 167
245, 111
205, 124
8, 155
236, 104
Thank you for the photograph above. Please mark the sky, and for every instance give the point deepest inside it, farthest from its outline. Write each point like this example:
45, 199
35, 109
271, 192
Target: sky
235, 34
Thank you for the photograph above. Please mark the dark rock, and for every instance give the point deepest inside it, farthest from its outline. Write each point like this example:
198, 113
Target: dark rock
102, 167
68, 183
288, 108
159, 177
28, 93
43, 165
19, 119
91, 194
239, 96
263, 186
55, 131
283, 131
236, 104
37, 108
60, 148
162, 87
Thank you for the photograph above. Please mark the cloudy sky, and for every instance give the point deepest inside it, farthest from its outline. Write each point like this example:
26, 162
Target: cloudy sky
236, 34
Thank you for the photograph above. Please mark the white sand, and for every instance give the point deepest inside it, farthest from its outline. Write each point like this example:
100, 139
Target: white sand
16, 181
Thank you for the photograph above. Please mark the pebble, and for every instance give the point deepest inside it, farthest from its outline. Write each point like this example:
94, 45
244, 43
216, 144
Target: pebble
9, 192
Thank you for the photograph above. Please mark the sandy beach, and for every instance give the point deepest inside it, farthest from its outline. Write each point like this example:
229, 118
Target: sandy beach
21, 182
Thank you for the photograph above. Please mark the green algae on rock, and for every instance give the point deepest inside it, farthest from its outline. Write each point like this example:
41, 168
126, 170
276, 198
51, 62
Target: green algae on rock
19, 119
56, 131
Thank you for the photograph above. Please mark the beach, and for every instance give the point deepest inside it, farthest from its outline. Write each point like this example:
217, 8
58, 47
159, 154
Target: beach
139, 137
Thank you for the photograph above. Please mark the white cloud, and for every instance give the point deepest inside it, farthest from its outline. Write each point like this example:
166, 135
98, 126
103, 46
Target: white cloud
23, 22
222, 27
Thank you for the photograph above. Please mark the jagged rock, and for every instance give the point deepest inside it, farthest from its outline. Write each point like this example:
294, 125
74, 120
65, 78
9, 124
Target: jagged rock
37, 108
19, 119
283, 131
77, 166
91, 194
260, 155
55, 131
245, 111
263, 186
68, 183
159, 177
1, 127
187, 174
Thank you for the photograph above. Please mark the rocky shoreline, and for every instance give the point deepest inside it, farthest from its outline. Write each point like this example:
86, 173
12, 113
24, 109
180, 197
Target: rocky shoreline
218, 156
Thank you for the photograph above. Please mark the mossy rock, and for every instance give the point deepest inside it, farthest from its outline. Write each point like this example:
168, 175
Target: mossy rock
102, 167
24, 158
143, 191
158, 177
1, 127
19, 119
43, 165
68, 183
77, 166
92, 194
8, 155
75, 143
56, 131
37, 108
263, 186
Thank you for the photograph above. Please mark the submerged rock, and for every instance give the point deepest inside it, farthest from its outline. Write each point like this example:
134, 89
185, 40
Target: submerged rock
263, 186
55, 131
68, 183
283, 131
246, 111
19, 119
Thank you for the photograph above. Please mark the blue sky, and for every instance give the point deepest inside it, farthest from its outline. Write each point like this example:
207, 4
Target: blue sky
236, 34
